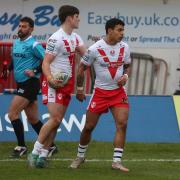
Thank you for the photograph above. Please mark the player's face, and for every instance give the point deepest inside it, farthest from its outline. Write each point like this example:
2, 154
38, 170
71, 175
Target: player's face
24, 30
117, 33
75, 21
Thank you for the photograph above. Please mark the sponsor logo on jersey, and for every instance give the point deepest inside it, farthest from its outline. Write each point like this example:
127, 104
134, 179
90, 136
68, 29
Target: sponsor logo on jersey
115, 64
112, 52
52, 41
26, 48
104, 64
66, 53
111, 64
51, 96
20, 55
86, 57
50, 47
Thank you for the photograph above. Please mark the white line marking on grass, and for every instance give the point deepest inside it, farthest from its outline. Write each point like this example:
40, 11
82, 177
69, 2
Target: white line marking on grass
98, 160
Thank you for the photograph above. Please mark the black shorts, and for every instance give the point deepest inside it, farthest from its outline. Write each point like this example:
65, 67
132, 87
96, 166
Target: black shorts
29, 89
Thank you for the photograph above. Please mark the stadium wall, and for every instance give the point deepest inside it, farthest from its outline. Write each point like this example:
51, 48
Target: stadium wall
152, 27
151, 119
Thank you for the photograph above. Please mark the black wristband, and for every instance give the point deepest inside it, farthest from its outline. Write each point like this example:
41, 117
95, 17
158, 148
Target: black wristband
37, 69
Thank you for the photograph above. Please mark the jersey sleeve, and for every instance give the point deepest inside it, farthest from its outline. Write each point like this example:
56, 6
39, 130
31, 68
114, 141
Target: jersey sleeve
127, 57
89, 57
53, 46
80, 41
38, 50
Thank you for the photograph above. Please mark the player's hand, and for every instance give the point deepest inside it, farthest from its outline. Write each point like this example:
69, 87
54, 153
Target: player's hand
80, 96
122, 81
55, 84
29, 73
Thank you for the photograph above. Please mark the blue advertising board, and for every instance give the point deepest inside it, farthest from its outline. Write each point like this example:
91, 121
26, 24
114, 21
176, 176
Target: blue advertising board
151, 119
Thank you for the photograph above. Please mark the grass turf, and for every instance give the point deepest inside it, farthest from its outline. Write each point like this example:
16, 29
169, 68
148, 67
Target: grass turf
146, 162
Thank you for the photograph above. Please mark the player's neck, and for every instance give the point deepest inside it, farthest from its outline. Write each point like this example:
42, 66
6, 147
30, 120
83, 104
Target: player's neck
24, 38
67, 28
110, 41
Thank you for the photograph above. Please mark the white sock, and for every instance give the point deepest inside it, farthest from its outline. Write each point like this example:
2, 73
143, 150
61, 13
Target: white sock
81, 150
43, 153
37, 147
118, 152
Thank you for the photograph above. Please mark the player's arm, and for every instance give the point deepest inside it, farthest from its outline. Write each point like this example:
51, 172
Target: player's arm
80, 82
81, 50
52, 49
38, 51
126, 67
86, 62
124, 78
48, 59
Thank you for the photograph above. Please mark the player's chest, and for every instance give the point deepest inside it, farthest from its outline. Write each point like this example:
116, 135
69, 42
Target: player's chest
110, 57
69, 45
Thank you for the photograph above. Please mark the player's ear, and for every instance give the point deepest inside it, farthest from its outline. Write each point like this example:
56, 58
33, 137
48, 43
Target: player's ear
32, 29
110, 31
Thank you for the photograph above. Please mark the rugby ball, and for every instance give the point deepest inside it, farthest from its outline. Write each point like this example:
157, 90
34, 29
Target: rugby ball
62, 76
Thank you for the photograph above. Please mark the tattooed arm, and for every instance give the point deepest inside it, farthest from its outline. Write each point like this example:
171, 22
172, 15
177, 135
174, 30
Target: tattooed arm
123, 79
80, 82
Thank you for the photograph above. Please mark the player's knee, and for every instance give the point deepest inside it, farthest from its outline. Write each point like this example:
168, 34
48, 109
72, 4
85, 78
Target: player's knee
122, 125
31, 119
88, 128
56, 120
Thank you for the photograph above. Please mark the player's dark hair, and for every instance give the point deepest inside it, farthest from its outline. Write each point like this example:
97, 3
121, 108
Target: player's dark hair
65, 11
28, 20
110, 24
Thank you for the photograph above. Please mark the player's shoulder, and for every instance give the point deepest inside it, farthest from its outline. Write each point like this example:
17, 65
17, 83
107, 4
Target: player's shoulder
97, 44
29, 41
76, 35
33, 42
16, 44
55, 37
123, 44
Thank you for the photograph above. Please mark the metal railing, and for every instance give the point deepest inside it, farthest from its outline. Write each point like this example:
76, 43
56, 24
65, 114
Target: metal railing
148, 74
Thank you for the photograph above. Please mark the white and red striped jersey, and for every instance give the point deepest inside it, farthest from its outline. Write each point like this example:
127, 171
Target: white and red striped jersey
63, 47
108, 62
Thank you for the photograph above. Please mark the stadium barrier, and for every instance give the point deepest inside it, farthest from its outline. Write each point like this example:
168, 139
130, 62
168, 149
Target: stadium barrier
148, 74
151, 119
9, 83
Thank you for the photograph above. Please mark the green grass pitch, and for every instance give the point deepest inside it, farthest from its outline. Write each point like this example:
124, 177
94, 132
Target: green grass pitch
146, 162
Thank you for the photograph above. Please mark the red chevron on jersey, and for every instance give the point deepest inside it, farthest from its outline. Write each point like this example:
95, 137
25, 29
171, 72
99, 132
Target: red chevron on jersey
112, 65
